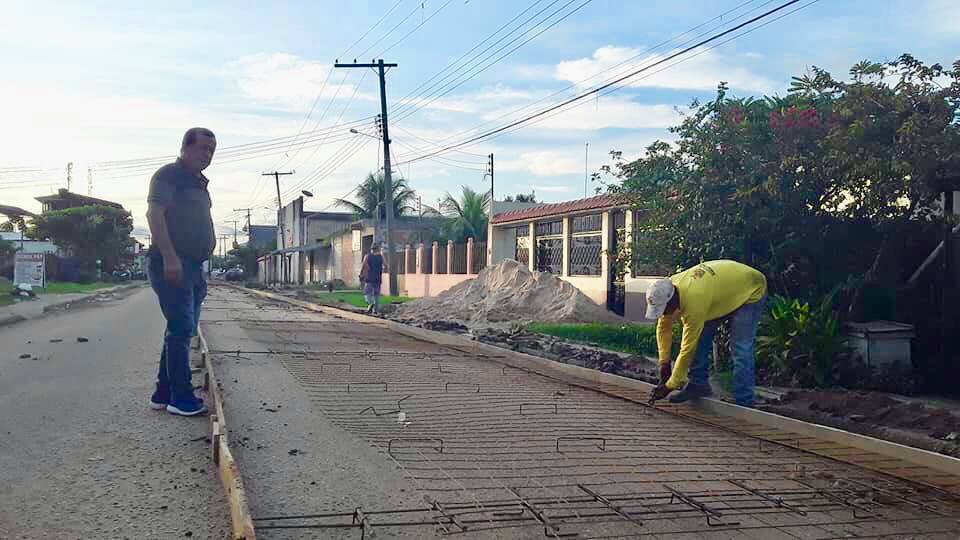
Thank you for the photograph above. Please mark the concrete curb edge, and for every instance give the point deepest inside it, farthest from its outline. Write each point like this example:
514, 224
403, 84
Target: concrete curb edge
240, 521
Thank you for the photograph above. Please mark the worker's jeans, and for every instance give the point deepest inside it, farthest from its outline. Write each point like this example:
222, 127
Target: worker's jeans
181, 307
743, 333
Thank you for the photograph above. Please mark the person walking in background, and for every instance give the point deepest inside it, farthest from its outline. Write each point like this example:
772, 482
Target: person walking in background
704, 296
371, 278
181, 229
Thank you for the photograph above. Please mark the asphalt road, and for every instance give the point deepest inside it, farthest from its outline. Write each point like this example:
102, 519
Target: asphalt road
81, 453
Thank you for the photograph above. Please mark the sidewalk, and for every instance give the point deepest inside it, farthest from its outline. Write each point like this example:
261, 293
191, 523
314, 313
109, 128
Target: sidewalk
37, 307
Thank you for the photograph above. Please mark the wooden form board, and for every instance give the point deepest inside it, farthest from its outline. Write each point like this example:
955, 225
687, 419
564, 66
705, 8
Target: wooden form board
240, 521
751, 422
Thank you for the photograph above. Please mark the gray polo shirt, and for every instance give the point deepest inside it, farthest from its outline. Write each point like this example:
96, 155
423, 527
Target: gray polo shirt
187, 202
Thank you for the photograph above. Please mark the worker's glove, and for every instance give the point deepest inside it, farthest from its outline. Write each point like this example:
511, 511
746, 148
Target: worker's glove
660, 392
665, 372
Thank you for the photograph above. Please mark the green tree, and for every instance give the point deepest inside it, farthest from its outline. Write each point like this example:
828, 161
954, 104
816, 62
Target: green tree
781, 182
468, 214
7, 249
522, 198
88, 232
371, 196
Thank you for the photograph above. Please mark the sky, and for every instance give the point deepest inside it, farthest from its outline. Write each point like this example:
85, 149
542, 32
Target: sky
112, 86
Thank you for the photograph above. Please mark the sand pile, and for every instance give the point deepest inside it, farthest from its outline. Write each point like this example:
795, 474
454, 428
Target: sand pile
505, 294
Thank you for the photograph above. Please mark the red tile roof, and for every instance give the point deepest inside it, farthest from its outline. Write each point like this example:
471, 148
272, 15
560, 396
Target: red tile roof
607, 200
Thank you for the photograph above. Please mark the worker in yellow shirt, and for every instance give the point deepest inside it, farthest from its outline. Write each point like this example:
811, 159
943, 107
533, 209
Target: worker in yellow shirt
703, 297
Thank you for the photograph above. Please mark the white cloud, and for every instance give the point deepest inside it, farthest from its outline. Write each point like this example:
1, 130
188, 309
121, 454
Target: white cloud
552, 189
612, 112
544, 163
702, 72
287, 80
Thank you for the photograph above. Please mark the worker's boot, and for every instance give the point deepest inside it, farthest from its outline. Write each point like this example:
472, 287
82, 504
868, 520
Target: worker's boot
691, 391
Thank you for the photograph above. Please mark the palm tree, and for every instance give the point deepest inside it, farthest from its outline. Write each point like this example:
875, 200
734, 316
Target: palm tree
371, 196
469, 214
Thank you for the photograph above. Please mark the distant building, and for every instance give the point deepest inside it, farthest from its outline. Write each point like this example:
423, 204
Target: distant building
261, 235
64, 199
319, 246
27, 245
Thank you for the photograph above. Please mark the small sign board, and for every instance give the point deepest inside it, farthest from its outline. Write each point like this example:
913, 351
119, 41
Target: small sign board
29, 269
357, 238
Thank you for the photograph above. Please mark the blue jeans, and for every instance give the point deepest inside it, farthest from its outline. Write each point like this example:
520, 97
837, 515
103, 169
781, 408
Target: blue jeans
743, 333
181, 307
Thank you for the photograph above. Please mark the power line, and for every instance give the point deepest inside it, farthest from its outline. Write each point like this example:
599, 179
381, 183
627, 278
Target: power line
426, 92
446, 89
609, 84
666, 67
648, 50
408, 34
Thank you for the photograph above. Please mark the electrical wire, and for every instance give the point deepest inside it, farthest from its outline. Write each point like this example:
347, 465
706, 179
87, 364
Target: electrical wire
598, 89
646, 51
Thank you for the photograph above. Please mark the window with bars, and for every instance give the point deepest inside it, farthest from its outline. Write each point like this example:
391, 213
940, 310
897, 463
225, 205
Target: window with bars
550, 228
550, 255
523, 231
585, 253
584, 224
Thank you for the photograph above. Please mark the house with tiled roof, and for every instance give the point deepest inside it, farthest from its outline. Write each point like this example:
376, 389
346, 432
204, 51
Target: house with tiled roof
576, 241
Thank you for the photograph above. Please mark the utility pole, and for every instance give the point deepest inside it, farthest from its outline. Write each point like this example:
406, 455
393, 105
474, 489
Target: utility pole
490, 210
89, 182
247, 210
234, 231
586, 168
283, 235
69, 175
276, 176
387, 169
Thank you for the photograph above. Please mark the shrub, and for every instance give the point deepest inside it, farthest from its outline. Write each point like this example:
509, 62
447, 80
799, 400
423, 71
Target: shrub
800, 344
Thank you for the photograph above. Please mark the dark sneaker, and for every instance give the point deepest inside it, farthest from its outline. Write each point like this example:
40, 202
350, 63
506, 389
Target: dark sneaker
187, 407
160, 398
691, 391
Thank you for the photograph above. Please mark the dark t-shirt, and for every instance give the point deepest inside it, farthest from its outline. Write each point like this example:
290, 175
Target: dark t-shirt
374, 268
187, 202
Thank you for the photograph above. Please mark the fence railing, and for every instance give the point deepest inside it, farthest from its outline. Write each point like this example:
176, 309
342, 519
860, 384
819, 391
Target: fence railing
426, 264
479, 261
411, 261
442, 260
459, 258
398, 263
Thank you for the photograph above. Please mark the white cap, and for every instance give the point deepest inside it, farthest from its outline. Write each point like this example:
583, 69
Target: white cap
658, 295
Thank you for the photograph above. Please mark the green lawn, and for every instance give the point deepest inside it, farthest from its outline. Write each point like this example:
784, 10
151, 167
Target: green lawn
58, 287
6, 288
355, 298
628, 338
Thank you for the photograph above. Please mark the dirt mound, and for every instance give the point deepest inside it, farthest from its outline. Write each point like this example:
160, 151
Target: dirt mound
506, 294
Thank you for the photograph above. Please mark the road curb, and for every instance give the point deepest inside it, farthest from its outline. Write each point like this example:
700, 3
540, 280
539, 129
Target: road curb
7, 320
240, 521
11, 319
50, 307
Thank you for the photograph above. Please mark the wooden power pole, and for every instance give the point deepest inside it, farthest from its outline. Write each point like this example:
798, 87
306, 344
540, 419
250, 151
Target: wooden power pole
380, 66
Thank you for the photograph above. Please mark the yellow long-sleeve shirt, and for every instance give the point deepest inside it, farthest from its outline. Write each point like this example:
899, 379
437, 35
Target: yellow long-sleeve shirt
708, 291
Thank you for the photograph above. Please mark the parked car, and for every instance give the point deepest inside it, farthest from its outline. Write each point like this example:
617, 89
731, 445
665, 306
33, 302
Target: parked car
234, 274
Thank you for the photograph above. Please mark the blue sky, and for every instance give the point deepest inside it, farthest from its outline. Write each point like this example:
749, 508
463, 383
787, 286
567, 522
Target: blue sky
89, 82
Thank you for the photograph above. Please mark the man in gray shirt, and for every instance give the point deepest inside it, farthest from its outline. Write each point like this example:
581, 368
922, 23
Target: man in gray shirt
182, 239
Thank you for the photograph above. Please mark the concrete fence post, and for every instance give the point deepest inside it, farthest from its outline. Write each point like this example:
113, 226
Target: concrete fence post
449, 256
406, 259
420, 254
436, 257
469, 255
